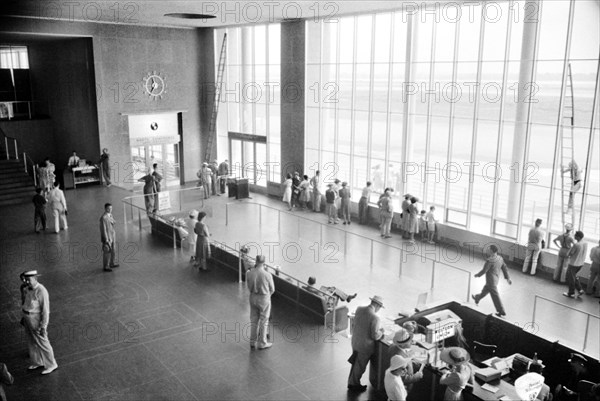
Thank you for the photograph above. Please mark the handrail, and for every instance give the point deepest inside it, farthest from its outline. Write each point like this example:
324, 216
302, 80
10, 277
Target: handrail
373, 241
25, 155
126, 200
587, 324
277, 272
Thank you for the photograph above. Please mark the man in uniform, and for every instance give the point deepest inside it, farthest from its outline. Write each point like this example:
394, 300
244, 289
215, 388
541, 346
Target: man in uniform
367, 330
107, 233
261, 287
36, 316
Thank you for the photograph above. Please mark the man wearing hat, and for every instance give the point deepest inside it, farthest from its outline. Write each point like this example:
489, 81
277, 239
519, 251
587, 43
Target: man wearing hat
493, 265
206, 177
345, 203
261, 287
459, 375
367, 330
564, 242
36, 315
214, 168
108, 236
394, 386
363, 204
386, 212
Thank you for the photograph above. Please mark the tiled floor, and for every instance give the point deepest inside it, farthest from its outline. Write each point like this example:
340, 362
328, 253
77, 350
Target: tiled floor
157, 329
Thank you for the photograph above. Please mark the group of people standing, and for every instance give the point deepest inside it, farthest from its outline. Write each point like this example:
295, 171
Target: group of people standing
571, 258
212, 175
299, 192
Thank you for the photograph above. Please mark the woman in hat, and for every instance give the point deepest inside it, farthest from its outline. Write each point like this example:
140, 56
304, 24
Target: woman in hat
394, 386
202, 243
459, 375
287, 191
192, 236
401, 346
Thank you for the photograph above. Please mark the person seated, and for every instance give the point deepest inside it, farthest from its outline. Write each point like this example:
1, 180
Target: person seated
73, 161
332, 291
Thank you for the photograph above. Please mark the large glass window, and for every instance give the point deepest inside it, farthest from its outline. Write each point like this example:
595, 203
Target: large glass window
463, 111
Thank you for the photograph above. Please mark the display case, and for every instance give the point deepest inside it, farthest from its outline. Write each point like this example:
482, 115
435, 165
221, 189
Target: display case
86, 175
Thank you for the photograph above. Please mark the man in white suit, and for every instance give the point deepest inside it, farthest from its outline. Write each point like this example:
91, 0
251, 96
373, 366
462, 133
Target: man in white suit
58, 205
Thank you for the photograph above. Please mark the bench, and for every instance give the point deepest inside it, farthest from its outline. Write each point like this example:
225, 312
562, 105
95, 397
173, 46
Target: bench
164, 230
291, 291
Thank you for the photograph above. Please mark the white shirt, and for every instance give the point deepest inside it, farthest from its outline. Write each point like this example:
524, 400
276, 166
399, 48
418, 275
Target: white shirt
73, 161
394, 387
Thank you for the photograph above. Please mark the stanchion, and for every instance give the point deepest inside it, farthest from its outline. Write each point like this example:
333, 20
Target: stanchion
587, 327
432, 274
260, 215
125, 214
469, 289
345, 242
371, 253
400, 268
139, 220
240, 265
227, 214
174, 238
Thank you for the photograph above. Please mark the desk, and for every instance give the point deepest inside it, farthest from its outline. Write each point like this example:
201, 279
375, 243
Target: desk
82, 175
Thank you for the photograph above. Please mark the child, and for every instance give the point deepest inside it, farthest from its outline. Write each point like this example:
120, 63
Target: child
192, 236
423, 225
39, 215
431, 220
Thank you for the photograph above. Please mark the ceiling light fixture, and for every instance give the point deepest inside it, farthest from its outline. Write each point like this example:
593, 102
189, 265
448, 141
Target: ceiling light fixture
190, 16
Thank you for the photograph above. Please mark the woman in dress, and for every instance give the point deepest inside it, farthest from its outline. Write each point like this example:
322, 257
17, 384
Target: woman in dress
305, 194
202, 242
460, 373
148, 181
287, 191
413, 218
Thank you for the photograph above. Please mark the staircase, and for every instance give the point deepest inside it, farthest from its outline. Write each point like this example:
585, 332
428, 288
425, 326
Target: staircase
16, 186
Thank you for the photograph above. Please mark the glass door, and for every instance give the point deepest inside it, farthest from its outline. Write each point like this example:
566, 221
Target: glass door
166, 156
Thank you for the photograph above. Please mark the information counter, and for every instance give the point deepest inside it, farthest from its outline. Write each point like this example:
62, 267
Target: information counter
509, 338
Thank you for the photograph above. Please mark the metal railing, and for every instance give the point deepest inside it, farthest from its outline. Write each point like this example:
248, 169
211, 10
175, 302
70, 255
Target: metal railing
277, 272
21, 109
129, 200
588, 316
10, 144
403, 252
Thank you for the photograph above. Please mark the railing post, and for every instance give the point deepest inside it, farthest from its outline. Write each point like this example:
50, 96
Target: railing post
469, 288
240, 265
279, 221
321, 234
139, 220
125, 213
180, 196
16, 150
25, 162
432, 274
400, 268
29, 109
260, 215
175, 238
345, 242
587, 327
6, 147
534, 308
227, 214
371, 263
298, 227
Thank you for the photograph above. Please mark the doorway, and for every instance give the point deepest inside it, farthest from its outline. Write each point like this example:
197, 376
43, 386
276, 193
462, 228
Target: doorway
248, 155
165, 155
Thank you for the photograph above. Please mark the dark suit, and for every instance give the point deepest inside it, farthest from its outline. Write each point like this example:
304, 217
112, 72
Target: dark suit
108, 235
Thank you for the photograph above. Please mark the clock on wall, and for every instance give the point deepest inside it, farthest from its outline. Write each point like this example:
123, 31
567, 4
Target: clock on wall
154, 126
154, 85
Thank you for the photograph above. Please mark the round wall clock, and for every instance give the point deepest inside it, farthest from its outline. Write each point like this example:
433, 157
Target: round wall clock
154, 85
154, 126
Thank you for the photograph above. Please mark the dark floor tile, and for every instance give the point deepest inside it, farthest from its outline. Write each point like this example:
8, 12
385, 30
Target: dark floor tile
200, 347
107, 374
241, 377
165, 389
35, 386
